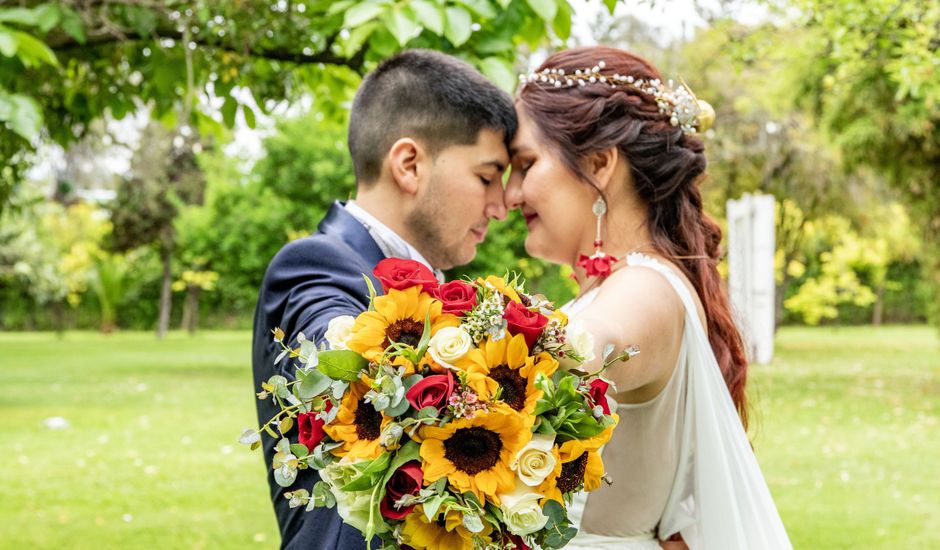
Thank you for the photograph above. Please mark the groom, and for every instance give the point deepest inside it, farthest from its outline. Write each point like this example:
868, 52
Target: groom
428, 137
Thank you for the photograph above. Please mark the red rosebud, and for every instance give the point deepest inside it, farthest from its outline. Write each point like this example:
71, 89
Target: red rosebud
401, 274
406, 480
516, 540
431, 391
520, 320
311, 428
598, 394
597, 265
458, 297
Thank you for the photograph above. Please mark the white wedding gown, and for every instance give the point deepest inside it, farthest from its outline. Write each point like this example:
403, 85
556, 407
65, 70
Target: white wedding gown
680, 462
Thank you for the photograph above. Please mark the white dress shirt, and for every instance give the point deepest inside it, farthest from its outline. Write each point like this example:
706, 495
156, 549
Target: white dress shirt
389, 242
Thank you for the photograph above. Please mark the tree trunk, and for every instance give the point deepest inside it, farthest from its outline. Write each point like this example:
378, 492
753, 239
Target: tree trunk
878, 313
166, 297
190, 319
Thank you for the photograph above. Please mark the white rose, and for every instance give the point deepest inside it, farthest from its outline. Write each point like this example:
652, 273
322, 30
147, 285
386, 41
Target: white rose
522, 512
352, 506
581, 342
535, 461
339, 331
449, 344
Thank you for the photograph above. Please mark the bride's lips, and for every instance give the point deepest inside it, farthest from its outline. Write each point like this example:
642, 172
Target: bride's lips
529, 218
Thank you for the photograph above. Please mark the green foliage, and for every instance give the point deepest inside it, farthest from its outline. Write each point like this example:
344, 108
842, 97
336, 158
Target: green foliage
64, 67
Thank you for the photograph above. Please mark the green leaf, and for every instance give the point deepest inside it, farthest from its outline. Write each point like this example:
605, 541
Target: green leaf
312, 383
285, 425
457, 27
499, 71
299, 449
430, 15
357, 37
545, 9
562, 21
48, 17
341, 364
229, 108
363, 13
72, 25
338, 7
22, 113
483, 8
611, 5
8, 42
31, 51
23, 16
369, 476
249, 114
402, 24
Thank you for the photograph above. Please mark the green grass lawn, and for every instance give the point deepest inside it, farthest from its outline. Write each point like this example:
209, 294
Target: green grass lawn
845, 423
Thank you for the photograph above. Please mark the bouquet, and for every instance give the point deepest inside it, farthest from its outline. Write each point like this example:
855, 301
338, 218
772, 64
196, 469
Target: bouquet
446, 416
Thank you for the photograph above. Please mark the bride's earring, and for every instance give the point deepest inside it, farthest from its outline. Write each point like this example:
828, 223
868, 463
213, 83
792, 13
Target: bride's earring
597, 264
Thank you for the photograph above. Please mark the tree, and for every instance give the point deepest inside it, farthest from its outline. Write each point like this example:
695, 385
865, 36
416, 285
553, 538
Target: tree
75, 61
165, 175
870, 75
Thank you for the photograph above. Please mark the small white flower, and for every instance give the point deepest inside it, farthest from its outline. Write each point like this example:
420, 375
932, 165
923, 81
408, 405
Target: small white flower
522, 512
339, 331
581, 342
449, 345
535, 461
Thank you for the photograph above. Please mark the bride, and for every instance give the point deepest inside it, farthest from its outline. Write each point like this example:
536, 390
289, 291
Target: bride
606, 167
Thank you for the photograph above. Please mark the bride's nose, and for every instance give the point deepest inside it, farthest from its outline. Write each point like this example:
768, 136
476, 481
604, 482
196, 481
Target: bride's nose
513, 193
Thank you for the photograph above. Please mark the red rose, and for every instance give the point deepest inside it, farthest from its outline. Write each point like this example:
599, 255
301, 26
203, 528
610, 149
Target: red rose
597, 265
405, 481
520, 320
516, 540
311, 428
401, 274
598, 394
432, 391
458, 297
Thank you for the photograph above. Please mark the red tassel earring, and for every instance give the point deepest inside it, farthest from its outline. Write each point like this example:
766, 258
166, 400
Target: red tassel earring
597, 264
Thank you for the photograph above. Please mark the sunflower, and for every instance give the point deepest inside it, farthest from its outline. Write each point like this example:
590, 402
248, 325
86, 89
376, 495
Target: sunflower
577, 461
357, 425
474, 453
398, 317
500, 285
507, 363
445, 532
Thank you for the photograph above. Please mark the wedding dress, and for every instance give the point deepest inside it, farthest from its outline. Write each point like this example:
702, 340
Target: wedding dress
680, 462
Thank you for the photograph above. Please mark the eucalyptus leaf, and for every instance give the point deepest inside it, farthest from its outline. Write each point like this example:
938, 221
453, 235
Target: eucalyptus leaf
341, 364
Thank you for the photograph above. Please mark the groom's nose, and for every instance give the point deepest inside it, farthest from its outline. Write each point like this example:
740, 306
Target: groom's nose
512, 195
495, 205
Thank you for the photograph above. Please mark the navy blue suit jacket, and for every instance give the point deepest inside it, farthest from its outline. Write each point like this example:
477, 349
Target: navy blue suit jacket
309, 282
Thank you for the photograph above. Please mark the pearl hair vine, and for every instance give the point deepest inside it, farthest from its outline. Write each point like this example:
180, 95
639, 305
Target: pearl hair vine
684, 110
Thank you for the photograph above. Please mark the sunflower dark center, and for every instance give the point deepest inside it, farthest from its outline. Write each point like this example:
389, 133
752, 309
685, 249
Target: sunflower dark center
572, 474
404, 331
513, 385
368, 421
473, 450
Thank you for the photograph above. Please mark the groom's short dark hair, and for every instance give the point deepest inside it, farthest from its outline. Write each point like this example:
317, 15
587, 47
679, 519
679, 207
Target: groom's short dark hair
427, 95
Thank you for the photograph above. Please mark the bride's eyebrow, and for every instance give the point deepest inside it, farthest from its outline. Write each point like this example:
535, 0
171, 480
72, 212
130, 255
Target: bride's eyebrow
514, 151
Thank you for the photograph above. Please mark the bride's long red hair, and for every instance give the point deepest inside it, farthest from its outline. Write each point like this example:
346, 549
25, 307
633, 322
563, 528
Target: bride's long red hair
667, 167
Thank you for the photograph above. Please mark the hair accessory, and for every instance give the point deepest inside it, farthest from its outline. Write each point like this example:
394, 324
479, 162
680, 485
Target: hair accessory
684, 110
597, 264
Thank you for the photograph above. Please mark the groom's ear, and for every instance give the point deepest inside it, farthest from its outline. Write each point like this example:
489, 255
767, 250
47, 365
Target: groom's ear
602, 164
406, 160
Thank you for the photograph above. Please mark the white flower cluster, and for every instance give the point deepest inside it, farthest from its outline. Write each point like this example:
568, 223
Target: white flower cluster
486, 319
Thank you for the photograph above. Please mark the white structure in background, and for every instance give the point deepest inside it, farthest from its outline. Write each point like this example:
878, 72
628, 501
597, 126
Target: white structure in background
751, 284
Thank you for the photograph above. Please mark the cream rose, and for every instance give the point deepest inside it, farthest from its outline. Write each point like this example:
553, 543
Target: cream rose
339, 331
522, 512
581, 342
352, 506
535, 461
449, 345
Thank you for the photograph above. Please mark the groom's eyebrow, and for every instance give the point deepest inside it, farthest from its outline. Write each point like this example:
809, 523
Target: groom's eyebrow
499, 166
